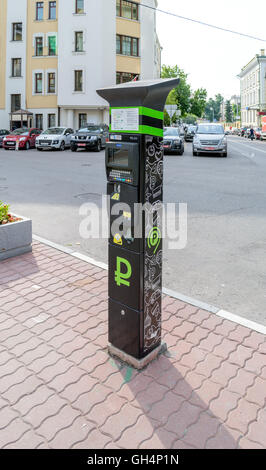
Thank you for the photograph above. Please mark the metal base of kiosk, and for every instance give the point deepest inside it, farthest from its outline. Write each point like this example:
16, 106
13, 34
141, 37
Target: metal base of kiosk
138, 364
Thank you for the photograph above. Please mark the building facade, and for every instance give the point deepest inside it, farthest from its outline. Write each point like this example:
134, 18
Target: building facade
54, 55
253, 90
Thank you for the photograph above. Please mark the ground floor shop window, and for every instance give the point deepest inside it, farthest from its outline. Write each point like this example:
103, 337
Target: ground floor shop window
51, 120
82, 120
39, 121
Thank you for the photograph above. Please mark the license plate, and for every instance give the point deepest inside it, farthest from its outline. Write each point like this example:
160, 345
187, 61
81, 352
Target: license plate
210, 148
10, 143
81, 145
166, 146
45, 143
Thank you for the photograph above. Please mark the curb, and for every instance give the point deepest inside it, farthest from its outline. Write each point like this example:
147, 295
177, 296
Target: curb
176, 295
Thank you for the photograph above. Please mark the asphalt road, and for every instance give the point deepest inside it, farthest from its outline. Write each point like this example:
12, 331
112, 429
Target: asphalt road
224, 261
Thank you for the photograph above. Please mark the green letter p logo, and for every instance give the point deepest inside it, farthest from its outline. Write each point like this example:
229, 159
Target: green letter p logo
121, 278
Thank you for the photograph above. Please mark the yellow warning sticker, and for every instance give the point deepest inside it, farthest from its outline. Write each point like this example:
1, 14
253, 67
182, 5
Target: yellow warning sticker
118, 239
116, 197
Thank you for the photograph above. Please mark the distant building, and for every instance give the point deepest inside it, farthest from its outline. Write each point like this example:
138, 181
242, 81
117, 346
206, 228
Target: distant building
54, 55
253, 90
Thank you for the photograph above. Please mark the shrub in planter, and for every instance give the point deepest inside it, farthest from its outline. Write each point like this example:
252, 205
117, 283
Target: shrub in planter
5, 217
15, 234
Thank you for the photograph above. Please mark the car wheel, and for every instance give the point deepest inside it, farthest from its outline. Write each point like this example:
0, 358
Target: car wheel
195, 154
27, 146
39, 150
62, 146
98, 147
73, 149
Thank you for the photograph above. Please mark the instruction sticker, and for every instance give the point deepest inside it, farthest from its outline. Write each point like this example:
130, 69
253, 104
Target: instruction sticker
125, 119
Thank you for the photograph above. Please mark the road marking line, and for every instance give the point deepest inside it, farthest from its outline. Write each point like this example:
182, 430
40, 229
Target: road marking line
183, 298
248, 146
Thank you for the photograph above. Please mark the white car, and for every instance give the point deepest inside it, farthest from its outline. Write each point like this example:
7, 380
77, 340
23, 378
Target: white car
54, 138
210, 138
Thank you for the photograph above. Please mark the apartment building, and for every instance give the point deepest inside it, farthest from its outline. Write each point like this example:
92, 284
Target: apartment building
253, 90
54, 55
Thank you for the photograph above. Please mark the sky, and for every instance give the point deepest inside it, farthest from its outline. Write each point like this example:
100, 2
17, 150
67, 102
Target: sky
211, 58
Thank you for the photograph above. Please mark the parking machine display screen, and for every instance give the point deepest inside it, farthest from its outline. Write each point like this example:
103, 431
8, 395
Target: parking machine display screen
119, 157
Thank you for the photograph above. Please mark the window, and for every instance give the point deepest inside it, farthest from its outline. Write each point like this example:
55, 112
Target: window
79, 6
51, 120
39, 121
51, 82
15, 103
123, 77
127, 45
38, 83
39, 11
39, 46
129, 10
17, 32
52, 45
52, 10
78, 80
16, 67
79, 41
82, 120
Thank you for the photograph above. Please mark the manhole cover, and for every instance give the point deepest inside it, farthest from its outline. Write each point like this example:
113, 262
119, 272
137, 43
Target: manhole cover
86, 164
3, 188
2, 179
88, 196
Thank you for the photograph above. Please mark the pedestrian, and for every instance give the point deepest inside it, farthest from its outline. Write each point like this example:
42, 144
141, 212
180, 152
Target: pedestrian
251, 133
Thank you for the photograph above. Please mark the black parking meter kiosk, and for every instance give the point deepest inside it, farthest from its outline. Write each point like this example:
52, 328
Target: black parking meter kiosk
134, 168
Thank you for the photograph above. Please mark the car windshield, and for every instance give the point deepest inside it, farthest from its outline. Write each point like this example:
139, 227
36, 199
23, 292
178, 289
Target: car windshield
90, 129
205, 129
171, 131
20, 132
54, 131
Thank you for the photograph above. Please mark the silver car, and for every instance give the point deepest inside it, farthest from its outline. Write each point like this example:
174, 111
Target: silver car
210, 138
54, 138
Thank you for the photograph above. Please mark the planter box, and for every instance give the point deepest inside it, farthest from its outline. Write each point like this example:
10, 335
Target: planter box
15, 238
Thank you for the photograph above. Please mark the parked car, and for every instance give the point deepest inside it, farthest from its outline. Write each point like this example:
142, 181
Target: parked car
258, 132
93, 136
3, 133
263, 135
247, 133
25, 137
210, 138
236, 131
57, 138
173, 141
189, 134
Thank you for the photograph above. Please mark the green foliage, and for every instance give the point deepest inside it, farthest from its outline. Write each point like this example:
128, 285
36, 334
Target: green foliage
181, 94
228, 112
198, 102
4, 208
213, 108
190, 119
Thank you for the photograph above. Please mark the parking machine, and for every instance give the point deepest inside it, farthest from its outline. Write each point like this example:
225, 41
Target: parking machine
134, 169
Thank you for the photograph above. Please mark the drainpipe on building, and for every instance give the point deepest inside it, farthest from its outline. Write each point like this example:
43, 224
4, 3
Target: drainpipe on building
58, 116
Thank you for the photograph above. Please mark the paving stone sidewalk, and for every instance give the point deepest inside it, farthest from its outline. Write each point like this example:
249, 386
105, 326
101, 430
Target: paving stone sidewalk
60, 389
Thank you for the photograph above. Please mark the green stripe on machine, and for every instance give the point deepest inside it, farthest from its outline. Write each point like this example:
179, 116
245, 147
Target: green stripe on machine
142, 130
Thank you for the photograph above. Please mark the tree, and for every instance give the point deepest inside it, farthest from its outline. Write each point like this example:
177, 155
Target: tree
228, 112
198, 102
182, 93
190, 119
213, 108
